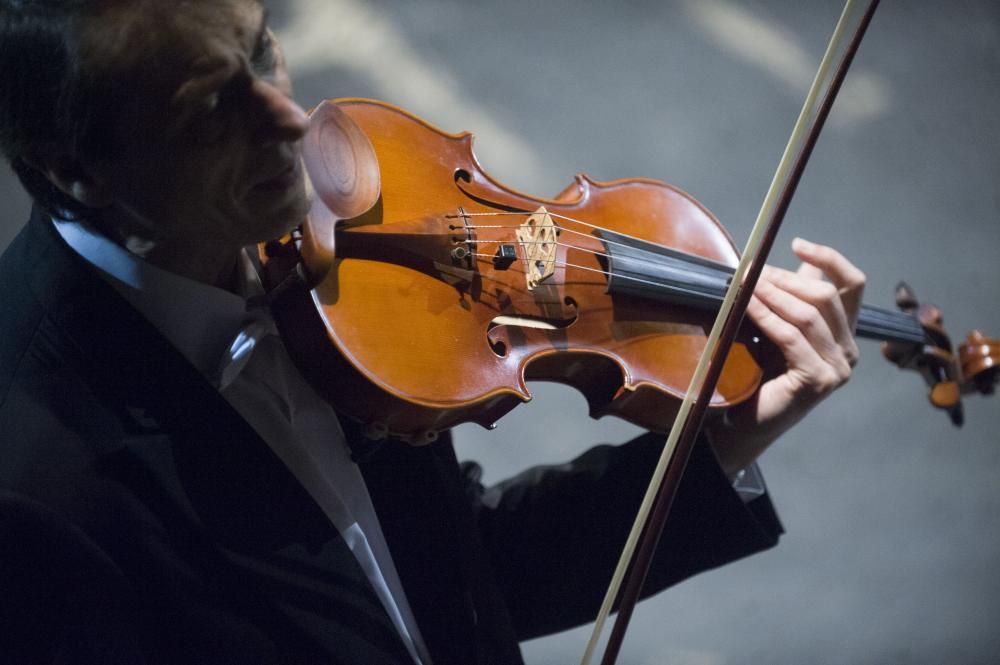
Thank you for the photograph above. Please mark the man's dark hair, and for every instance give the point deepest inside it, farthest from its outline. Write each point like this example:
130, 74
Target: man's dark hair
50, 101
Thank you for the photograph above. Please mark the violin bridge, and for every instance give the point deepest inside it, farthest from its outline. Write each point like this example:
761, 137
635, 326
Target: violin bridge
537, 237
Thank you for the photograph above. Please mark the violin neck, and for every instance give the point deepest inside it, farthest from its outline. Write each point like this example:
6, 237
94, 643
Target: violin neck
647, 270
889, 325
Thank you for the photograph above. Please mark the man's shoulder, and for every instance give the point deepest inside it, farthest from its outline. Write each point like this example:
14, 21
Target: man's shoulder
34, 275
22, 312
47, 405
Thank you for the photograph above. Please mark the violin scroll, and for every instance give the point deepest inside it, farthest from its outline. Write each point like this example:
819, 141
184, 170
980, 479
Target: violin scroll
979, 358
976, 367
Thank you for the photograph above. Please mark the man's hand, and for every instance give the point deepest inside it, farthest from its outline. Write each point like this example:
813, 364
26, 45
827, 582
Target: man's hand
812, 322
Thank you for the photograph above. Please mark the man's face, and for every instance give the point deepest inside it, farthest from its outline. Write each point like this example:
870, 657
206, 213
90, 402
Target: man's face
210, 141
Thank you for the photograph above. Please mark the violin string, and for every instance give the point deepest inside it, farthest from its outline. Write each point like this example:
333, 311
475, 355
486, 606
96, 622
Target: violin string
560, 244
900, 322
561, 228
887, 321
557, 264
607, 241
606, 273
891, 320
565, 264
551, 214
903, 318
595, 252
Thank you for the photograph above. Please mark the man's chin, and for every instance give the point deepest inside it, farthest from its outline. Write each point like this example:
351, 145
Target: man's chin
281, 220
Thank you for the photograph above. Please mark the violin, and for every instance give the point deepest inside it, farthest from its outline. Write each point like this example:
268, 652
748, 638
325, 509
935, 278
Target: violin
433, 292
422, 293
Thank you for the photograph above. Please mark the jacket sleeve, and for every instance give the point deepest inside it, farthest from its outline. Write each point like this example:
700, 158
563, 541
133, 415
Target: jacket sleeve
555, 533
64, 600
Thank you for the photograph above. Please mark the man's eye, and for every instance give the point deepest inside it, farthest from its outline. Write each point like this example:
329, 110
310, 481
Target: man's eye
263, 59
212, 119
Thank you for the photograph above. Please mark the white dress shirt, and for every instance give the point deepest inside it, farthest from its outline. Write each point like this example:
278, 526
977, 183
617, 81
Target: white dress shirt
239, 351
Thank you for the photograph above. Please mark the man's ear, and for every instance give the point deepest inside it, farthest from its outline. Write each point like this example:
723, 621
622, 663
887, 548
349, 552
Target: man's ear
71, 178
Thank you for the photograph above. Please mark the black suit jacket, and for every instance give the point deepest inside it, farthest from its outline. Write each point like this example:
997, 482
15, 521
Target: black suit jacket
142, 520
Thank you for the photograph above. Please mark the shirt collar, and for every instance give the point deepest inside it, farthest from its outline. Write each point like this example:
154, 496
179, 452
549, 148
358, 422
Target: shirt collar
208, 325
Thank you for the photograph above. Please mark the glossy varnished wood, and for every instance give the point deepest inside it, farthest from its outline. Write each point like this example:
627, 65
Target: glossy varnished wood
401, 311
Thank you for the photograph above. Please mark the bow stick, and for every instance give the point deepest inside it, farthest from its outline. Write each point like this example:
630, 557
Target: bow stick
637, 555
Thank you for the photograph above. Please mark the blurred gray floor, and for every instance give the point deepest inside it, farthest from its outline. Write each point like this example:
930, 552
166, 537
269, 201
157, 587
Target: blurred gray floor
892, 515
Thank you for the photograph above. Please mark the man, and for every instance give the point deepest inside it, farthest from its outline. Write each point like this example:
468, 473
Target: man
166, 498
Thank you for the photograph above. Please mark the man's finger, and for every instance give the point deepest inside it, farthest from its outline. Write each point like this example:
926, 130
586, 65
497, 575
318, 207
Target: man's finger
822, 295
847, 277
809, 271
809, 323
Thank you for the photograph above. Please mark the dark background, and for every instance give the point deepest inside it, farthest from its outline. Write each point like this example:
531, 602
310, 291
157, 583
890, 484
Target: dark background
891, 513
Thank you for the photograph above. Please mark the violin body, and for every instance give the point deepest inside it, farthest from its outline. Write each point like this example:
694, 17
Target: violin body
425, 314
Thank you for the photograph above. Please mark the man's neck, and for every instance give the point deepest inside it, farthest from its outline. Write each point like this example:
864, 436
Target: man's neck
209, 265
194, 258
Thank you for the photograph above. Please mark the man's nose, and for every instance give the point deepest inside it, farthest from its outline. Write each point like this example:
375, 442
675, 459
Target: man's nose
281, 119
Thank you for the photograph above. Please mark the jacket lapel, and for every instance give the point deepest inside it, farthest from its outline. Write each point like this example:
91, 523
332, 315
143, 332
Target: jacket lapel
241, 489
191, 453
422, 505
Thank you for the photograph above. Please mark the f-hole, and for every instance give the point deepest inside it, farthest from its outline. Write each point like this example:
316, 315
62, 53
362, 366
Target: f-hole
512, 327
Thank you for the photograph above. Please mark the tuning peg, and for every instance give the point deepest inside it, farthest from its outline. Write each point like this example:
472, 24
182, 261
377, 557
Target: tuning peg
979, 357
906, 299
